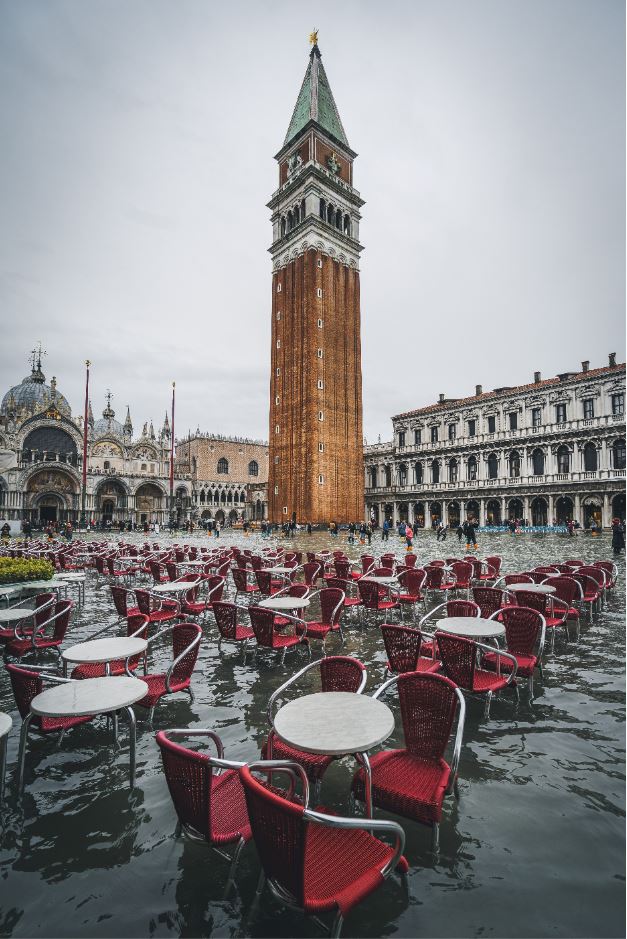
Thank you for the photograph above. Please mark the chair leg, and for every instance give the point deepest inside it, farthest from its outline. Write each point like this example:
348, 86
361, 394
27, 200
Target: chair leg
231, 878
336, 927
488, 701
435, 839
530, 686
190, 693
22, 751
255, 904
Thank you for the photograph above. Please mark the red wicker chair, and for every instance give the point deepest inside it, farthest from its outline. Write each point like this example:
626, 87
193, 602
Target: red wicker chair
209, 803
262, 622
157, 609
462, 571
331, 608
293, 590
336, 673
554, 610
372, 598
268, 585
410, 593
228, 627
569, 591
311, 572
495, 563
489, 600
509, 579
403, 645
120, 601
192, 606
452, 608
185, 644
242, 583
33, 617
48, 635
611, 570
414, 781
459, 663
367, 563
589, 589
525, 631
136, 628
313, 862
438, 580
351, 602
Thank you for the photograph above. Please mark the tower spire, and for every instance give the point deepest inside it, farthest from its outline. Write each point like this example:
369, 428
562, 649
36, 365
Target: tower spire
315, 100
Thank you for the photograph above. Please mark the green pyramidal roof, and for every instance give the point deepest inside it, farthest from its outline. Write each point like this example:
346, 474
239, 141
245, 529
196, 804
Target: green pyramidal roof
316, 103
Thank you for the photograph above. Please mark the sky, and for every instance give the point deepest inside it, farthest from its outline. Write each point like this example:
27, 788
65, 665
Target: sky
137, 160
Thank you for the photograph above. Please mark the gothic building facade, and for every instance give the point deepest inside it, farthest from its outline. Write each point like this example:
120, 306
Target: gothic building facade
547, 451
316, 459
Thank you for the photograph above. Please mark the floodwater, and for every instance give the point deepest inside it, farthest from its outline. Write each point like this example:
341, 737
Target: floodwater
535, 847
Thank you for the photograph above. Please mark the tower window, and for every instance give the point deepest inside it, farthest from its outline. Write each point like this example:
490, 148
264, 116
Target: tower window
276, 490
320, 415
278, 372
320, 384
278, 288
223, 465
320, 324
321, 448
277, 429
277, 400
319, 262
319, 291
278, 314
276, 459
319, 353
278, 343
284, 510
320, 479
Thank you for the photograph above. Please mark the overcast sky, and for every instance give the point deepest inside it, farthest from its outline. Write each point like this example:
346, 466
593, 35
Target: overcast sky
136, 159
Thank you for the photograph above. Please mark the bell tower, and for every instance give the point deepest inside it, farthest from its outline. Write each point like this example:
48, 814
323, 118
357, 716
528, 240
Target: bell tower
316, 443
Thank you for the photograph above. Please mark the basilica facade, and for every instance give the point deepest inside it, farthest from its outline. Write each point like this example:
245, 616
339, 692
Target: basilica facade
544, 452
128, 475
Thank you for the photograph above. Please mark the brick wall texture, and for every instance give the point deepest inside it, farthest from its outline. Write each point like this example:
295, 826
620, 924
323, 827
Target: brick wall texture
209, 450
296, 400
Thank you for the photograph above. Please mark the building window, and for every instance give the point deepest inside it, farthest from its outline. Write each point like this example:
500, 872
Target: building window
537, 462
493, 466
435, 471
451, 431
320, 384
563, 460
253, 468
472, 428
402, 475
434, 435
320, 260
278, 343
319, 292
223, 465
418, 472
106, 464
590, 458
144, 467
320, 479
276, 460
618, 403
278, 314
417, 437
277, 429
276, 490
319, 353
618, 454
452, 471
472, 467
278, 372
320, 448
513, 420
536, 417
277, 400
278, 288
514, 463
560, 413
588, 409
284, 510
372, 473
320, 324
492, 424
401, 438
320, 415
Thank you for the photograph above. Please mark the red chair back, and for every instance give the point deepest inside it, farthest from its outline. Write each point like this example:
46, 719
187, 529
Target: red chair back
459, 658
410, 559
435, 576
119, 600
183, 634
62, 612
495, 563
264, 582
428, 708
189, 778
566, 588
262, 622
517, 579
523, 626
331, 605
44, 605
462, 572
367, 561
369, 594
143, 602
402, 645
240, 579
26, 685
226, 618
462, 608
215, 583
342, 568
341, 673
488, 599
171, 568
533, 601
412, 580
311, 571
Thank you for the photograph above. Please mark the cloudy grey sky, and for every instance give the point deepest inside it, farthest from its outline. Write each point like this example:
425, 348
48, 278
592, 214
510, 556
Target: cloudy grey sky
136, 161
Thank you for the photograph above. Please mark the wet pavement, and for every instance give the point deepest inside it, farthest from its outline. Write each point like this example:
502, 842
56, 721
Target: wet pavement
535, 847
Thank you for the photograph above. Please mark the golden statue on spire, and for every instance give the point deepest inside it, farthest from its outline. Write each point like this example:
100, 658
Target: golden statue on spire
313, 37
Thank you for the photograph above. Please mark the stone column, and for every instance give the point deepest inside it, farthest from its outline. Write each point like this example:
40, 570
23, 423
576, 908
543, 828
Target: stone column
606, 512
550, 510
577, 508
526, 508
395, 515
503, 510
481, 512
444, 518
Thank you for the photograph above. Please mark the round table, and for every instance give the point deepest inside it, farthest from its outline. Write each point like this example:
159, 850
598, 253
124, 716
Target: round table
472, 627
173, 587
279, 570
14, 615
193, 563
89, 697
73, 579
284, 603
532, 588
336, 723
384, 581
104, 650
5, 726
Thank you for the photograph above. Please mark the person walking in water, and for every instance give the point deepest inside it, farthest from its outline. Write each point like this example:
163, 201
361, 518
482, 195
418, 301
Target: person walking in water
618, 536
409, 536
471, 537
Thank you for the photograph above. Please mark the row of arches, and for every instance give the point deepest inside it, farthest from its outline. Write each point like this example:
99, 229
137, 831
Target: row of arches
294, 217
512, 465
221, 496
335, 217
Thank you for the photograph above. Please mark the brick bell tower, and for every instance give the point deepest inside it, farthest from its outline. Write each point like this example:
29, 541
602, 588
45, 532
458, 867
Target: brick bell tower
316, 469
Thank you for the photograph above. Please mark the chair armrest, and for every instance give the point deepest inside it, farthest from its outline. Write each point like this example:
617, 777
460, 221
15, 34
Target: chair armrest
199, 732
500, 654
370, 824
284, 686
176, 661
428, 615
294, 770
459, 735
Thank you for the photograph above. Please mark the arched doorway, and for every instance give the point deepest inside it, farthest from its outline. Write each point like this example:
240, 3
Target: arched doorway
472, 511
49, 508
232, 516
51, 496
493, 512
618, 506
564, 510
435, 514
111, 501
149, 503
389, 511
539, 512
515, 509
419, 515
403, 511
220, 516
592, 512
453, 510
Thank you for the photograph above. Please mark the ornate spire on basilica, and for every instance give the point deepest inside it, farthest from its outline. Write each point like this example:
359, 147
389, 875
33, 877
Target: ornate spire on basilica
90, 416
152, 432
128, 424
108, 412
35, 360
165, 430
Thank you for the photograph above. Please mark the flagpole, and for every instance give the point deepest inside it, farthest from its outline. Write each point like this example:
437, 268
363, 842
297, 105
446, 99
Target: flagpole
85, 425
172, 462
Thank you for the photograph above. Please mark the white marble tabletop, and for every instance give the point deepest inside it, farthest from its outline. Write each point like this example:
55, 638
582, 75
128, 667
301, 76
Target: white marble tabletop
71, 575
54, 582
105, 650
5, 724
89, 696
532, 588
334, 722
14, 615
278, 570
472, 627
284, 603
384, 581
193, 563
175, 587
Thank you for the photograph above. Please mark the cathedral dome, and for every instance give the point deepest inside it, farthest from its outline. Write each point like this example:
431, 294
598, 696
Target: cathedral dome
33, 395
107, 424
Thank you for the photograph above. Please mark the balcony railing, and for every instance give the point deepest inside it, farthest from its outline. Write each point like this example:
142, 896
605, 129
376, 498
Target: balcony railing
500, 482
